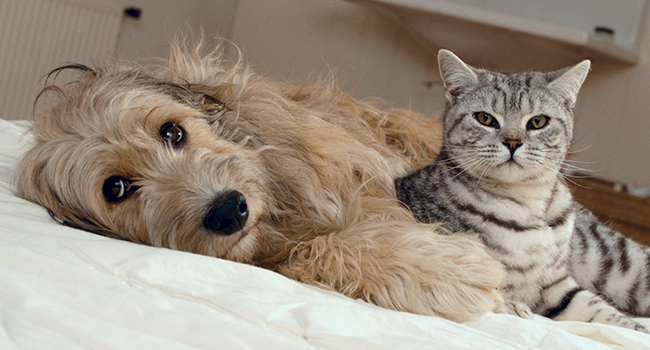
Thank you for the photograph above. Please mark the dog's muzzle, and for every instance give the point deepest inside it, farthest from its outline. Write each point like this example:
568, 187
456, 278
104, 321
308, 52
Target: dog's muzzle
227, 214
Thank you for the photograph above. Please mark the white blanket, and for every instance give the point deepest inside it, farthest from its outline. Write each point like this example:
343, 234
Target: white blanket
62, 288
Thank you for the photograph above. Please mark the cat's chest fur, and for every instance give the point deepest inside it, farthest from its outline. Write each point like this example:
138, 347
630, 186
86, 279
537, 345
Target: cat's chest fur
526, 227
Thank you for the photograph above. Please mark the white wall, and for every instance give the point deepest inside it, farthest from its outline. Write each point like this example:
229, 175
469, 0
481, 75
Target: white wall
149, 35
371, 55
613, 120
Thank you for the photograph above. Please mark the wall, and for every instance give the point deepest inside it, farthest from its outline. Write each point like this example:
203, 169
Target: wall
149, 35
613, 120
369, 54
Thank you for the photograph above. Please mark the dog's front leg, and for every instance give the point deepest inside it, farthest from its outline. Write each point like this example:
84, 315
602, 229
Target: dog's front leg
402, 266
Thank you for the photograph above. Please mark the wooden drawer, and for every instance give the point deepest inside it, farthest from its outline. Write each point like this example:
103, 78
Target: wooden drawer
615, 207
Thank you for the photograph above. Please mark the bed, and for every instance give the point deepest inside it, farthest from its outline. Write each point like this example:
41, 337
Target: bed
62, 288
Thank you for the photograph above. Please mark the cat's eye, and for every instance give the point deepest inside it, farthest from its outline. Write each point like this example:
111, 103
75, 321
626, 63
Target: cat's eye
537, 122
172, 133
486, 119
117, 188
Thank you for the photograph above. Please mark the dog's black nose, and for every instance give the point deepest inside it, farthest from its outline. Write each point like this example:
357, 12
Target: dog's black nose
227, 214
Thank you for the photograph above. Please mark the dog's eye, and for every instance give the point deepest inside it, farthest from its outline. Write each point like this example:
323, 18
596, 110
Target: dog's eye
172, 133
116, 188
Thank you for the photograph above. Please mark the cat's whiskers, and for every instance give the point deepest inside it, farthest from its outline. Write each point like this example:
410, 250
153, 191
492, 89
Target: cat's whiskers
487, 166
581, 150
456, 159
473, 162
576, 168
568, 178
580, 161
567, 164
552, 167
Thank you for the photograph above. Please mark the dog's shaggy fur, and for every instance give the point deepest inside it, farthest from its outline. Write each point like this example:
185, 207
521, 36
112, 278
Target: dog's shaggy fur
148, 156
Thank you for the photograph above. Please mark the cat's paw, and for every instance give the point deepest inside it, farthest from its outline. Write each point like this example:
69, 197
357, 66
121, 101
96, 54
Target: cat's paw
519, 309
589, 307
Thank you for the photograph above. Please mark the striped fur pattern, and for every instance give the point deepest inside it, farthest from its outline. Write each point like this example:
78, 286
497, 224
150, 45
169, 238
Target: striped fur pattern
498, 177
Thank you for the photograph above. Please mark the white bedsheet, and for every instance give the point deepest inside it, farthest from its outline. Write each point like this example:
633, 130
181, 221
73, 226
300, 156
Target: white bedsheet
62, 288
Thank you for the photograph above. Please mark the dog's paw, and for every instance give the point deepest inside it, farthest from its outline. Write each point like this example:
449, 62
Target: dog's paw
463, 278
518, 309
403, 266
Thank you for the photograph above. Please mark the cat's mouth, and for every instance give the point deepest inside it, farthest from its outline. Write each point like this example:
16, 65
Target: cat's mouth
511, 162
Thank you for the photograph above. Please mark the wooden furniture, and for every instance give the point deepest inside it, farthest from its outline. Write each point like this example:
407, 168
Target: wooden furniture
615, 207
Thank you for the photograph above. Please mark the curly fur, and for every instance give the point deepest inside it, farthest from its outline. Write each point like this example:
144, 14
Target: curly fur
316, 167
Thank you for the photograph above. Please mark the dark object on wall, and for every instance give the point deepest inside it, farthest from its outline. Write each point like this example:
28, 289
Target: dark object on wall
133, 12
604, 30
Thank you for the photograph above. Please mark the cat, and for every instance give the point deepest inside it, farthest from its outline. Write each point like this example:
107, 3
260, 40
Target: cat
498, 177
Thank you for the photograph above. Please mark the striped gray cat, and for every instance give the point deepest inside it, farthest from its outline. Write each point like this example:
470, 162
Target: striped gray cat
505, 140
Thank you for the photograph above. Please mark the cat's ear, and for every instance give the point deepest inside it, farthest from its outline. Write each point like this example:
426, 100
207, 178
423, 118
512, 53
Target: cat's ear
567, 82
455, 74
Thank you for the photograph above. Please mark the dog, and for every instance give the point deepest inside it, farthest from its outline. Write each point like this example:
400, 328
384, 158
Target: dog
206, 156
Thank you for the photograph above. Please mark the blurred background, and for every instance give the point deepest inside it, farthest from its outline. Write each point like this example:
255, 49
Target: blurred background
379, 48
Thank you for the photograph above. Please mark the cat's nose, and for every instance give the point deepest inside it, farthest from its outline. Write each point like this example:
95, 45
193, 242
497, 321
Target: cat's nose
512, 145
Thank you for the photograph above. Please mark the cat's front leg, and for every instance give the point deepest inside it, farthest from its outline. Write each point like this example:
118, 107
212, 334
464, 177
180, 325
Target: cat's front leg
610, 264
566, 301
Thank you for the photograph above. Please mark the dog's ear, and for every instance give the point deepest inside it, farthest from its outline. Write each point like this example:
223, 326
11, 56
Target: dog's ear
211, 104
196, 96
34, 183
